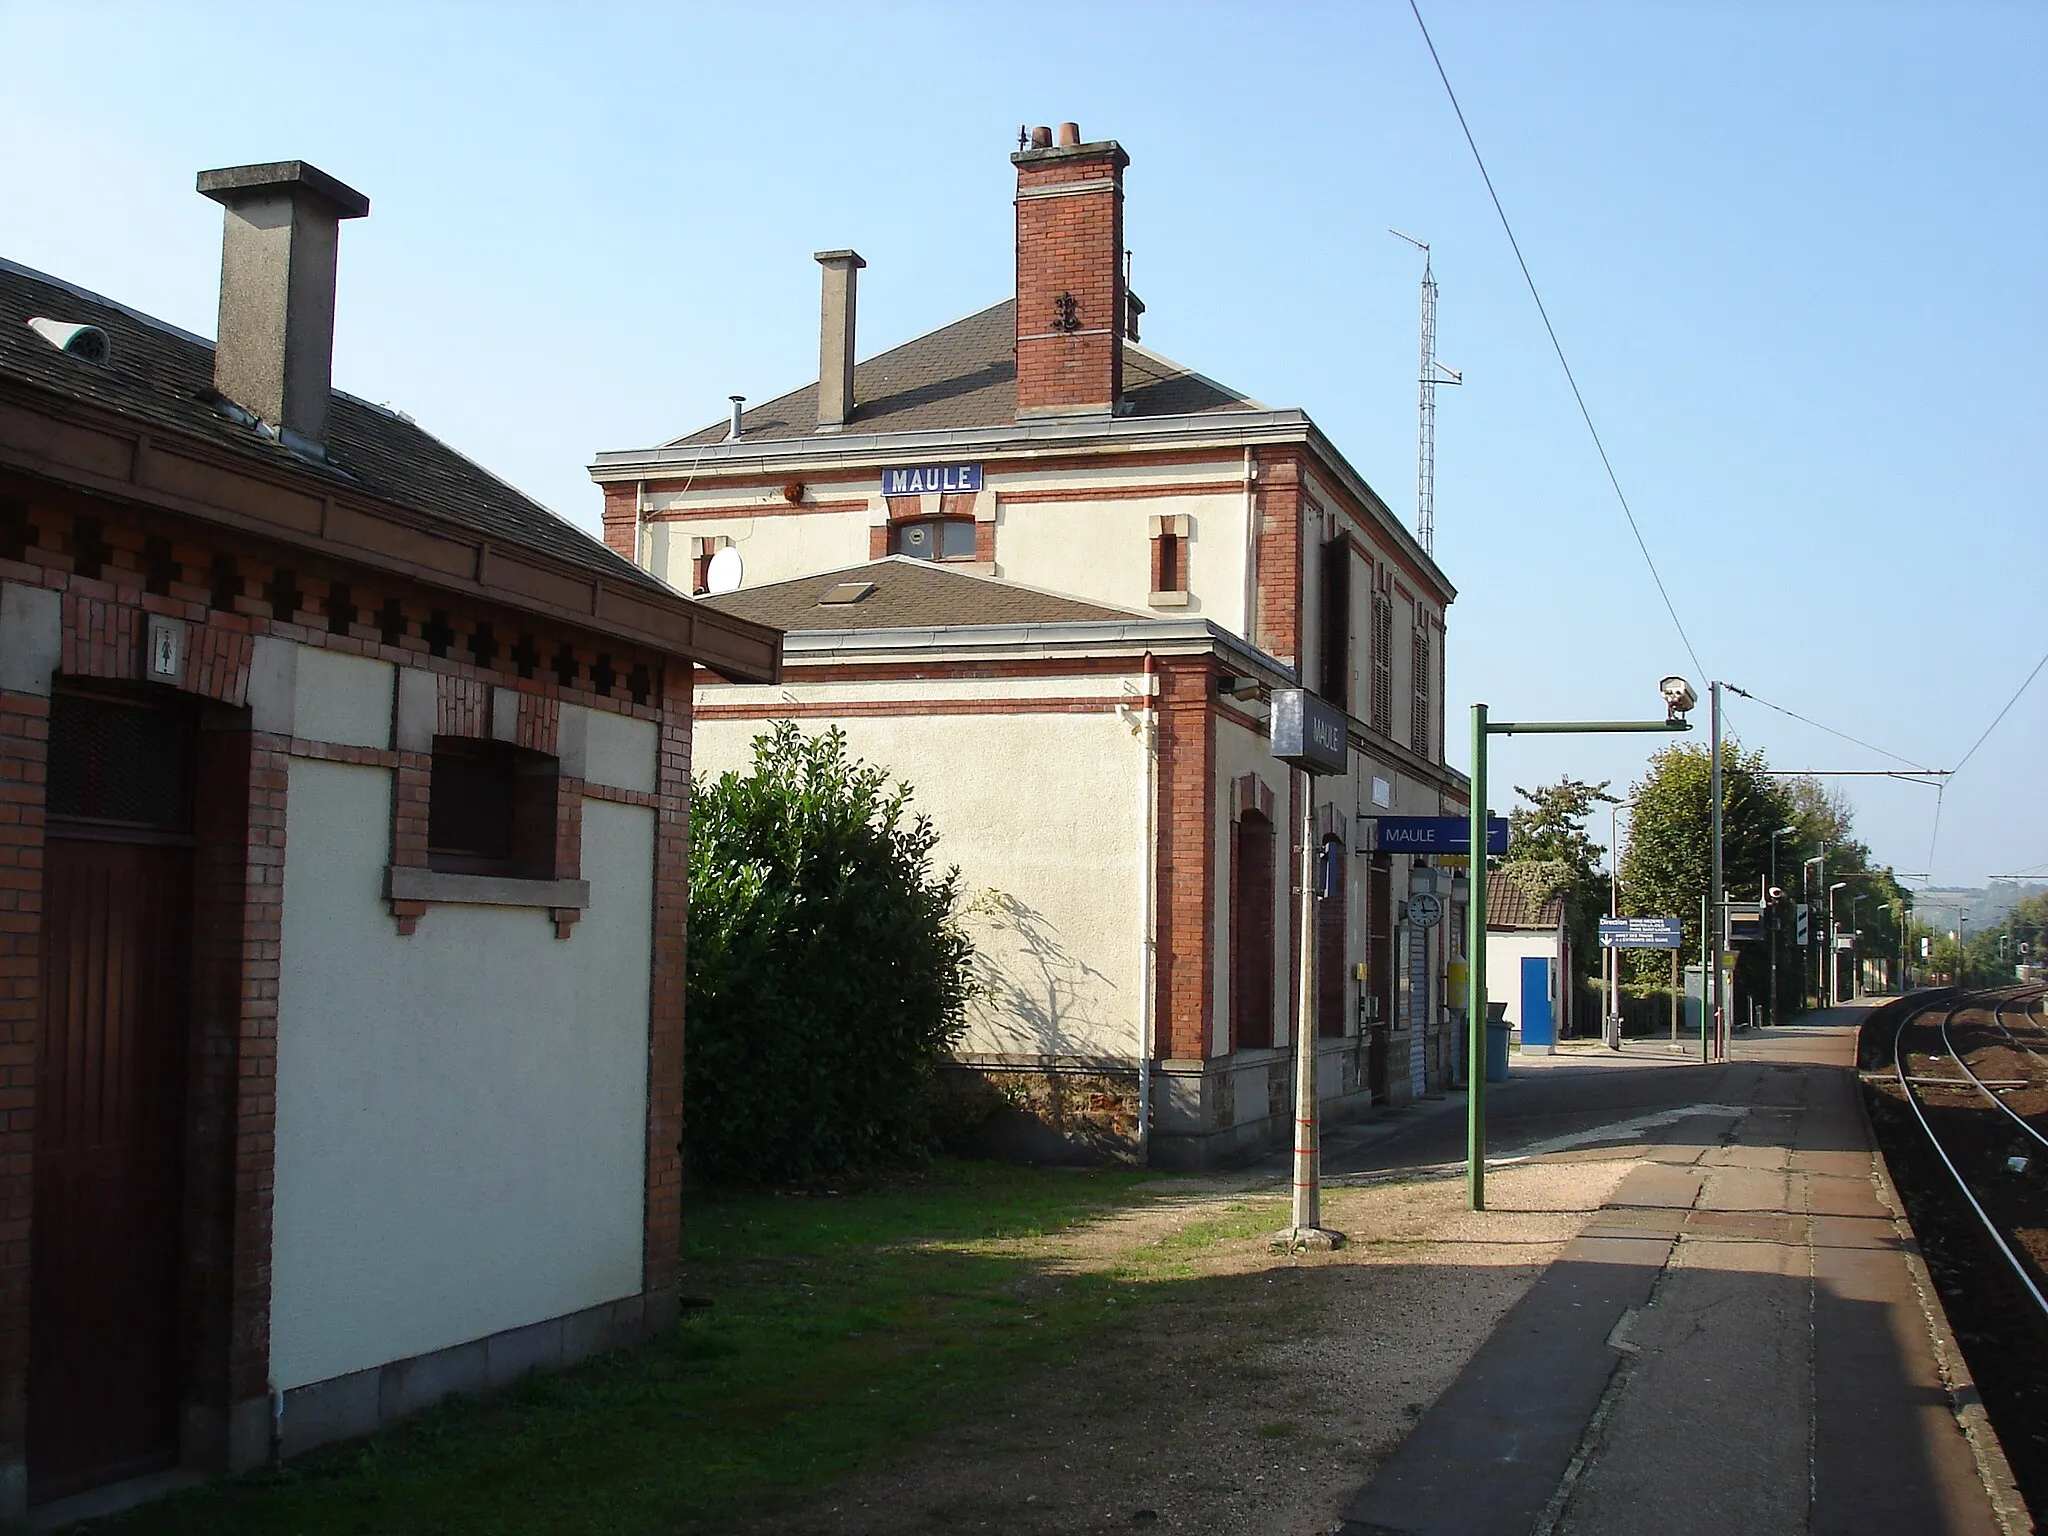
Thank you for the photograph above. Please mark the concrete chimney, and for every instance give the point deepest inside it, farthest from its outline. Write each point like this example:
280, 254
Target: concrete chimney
275, 356
835, 337
1070, 275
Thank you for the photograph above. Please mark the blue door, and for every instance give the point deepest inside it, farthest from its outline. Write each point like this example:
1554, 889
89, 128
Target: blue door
1538, 1027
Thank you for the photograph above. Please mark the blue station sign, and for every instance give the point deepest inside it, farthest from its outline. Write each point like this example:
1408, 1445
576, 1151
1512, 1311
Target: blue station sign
922, 479
1640, 933
1435, 834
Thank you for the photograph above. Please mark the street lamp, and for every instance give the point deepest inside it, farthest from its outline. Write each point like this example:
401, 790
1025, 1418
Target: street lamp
1806, 893
1834, 970
1781, 832
1679, 699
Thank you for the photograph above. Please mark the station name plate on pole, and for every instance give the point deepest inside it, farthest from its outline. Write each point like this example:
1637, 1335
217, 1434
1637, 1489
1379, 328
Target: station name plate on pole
1309, 733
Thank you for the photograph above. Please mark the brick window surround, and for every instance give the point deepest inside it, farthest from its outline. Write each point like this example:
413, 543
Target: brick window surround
1254, 856
1170, 534
701, 551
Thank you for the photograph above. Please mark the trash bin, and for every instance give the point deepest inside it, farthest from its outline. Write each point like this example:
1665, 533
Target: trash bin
1497, 1031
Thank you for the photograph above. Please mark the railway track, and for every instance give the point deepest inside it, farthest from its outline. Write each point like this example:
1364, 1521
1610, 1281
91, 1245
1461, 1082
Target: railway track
1973, 1070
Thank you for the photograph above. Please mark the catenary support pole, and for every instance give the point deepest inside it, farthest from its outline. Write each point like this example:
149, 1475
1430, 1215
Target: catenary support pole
1714, 880
1475, 977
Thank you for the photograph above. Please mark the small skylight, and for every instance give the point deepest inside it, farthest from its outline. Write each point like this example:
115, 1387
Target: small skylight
846, 592
88, 343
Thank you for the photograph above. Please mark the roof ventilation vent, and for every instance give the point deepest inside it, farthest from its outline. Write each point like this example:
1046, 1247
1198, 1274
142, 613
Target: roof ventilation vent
87, 342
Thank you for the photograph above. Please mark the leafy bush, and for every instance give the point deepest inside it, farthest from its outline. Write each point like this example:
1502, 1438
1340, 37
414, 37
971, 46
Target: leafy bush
827, 976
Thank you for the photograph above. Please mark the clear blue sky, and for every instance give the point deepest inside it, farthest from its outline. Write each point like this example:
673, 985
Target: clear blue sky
1795, 253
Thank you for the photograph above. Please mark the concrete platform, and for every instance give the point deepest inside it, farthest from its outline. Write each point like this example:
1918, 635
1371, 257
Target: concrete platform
1742, 1340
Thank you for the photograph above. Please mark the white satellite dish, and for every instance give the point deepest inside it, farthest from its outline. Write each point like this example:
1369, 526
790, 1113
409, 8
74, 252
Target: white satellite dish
724, 573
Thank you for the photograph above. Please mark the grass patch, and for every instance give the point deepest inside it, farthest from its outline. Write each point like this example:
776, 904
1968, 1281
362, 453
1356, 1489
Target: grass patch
840, 1331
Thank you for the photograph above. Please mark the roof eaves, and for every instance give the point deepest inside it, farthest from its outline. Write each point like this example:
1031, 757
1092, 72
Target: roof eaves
1233, 428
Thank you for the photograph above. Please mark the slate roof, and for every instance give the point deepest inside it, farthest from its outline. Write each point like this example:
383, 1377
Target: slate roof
1509, 906
964, 375
163, 376
909, 594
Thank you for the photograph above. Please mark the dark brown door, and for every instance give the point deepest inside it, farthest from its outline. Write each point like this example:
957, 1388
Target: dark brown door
105, 1229
1379, 962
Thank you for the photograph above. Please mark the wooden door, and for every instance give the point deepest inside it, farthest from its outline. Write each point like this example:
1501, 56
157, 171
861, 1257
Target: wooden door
105, 1230
1379, 970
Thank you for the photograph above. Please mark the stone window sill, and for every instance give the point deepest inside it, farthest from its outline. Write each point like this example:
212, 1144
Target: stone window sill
1168, 599
406, 883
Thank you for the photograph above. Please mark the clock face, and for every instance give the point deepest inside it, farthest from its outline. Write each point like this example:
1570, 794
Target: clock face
1425, 909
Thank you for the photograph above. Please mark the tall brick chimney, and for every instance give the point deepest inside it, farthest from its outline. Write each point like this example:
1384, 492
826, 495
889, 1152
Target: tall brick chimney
1070, 275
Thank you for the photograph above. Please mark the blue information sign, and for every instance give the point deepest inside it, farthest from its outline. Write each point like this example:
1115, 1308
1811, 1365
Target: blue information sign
920, 479
1435, 834
1640, 933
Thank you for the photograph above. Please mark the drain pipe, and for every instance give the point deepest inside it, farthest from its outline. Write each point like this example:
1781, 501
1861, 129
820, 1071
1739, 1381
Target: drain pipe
1251, 550
276, 1427
1148, 883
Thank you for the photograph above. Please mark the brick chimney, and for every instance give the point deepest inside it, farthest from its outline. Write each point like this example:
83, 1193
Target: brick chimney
1070, 275
275, 356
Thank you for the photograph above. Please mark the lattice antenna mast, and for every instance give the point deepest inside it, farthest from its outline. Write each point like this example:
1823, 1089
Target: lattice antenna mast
1429, 375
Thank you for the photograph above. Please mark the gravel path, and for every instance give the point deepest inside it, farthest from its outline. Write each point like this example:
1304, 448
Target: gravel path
1258, 1391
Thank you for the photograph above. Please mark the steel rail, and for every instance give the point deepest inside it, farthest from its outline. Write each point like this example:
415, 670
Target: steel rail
2013, 1260
1964, 1067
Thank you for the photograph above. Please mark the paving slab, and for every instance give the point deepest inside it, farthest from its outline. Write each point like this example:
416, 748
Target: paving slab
1737, 1342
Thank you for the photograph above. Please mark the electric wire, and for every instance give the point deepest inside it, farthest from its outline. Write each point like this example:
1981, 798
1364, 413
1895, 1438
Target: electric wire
1556, 346
1792, 714
2023, 687
2043, 662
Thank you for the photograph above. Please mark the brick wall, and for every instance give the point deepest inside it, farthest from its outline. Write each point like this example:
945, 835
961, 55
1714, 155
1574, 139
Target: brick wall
665, 1015
24, 742
1185, 878
1280, 502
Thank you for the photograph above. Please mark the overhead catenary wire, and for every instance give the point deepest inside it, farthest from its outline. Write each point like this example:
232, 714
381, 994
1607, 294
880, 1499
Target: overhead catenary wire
1792, 714
2043, 662
1556, 346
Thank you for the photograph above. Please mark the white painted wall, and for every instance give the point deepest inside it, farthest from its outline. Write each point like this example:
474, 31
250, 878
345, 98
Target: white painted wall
343, 698
1042, 813
776, 546
1504, 955
1101, 551
461, 1115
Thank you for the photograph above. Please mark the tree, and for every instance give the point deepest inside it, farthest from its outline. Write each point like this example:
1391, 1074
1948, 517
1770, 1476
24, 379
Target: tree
1666, 870
827, 975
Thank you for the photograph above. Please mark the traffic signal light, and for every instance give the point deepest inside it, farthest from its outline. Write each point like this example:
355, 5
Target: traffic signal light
2003, 940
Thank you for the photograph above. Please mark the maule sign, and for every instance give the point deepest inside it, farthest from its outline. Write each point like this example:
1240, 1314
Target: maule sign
1308, 733
1434, 834
920, 479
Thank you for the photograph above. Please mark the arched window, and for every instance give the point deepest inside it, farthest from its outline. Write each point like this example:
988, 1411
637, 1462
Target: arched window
1251, 932
933, 538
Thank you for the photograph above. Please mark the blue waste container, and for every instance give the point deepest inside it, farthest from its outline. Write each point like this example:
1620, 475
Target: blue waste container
1497, 1031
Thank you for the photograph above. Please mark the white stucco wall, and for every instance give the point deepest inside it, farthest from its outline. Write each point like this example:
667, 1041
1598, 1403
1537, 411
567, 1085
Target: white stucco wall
461, 1114
1504, 955
1101, 551
774, 546
342, 698
1043, 813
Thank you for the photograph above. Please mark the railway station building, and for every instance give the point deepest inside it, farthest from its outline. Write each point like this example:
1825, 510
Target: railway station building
1052, 578
343, 823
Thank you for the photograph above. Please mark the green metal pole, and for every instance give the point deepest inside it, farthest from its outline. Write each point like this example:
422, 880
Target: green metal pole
1475, 977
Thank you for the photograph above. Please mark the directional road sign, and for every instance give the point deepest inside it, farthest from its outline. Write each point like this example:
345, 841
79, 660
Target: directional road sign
1641, 933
